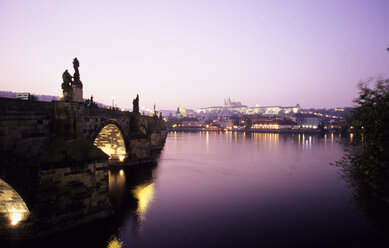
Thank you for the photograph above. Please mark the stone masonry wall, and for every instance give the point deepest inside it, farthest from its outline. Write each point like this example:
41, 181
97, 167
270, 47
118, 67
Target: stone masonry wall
158, 139
25, 126
139, 150
96, 119
70, 196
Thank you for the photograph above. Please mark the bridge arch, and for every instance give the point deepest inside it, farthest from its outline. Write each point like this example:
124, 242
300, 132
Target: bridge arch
13, 209
111, 140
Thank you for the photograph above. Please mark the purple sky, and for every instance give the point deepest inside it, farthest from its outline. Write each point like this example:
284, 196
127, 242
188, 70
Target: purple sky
196, 53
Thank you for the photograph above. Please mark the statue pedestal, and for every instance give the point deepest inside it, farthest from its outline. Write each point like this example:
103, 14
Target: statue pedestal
76, 94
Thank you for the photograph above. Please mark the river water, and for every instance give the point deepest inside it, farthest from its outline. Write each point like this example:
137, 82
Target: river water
230, 189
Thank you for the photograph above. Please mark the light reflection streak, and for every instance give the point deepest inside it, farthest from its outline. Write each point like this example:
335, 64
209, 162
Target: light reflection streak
144, 194
228, 136
115, 243
270, 140
117, 186
207, 140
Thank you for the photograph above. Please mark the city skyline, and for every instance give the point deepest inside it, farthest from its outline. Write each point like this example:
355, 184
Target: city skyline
195, 54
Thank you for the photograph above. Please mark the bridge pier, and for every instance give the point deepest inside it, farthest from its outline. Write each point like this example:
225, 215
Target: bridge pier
68, 119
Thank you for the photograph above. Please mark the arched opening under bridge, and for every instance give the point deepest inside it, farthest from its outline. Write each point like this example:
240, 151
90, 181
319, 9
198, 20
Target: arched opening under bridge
110, 140
13, 209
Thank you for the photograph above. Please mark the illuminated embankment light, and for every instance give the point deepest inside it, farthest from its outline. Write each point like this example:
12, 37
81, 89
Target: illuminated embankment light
15, 218
61, 96
121, 158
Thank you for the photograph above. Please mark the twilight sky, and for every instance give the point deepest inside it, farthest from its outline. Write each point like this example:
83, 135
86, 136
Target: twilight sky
196, 53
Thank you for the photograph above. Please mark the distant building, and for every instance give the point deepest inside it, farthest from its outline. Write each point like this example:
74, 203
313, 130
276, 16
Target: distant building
307, 120
189, 122
186, 112
275, 124
23, 96
230, 104
178, 113
209, 110
273, 110
237, 108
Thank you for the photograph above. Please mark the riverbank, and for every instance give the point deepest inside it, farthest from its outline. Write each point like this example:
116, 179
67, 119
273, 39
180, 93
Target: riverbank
284, 131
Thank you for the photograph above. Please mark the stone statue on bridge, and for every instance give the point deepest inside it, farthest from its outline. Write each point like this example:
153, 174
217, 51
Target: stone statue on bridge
72, 86
67, 80
135, 105
76, 76
76, 64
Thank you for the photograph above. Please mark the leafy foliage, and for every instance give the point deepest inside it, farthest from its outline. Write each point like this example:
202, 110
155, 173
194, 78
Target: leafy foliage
365, 164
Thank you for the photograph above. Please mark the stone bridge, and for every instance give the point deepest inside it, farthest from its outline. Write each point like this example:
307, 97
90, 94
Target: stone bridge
49, 158
54, 158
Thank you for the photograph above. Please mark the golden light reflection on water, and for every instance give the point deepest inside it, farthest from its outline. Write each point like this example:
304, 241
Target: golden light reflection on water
351, 137
117, 186
116, 181
115, 243
144, 194
268, 139
12, 205
207, 140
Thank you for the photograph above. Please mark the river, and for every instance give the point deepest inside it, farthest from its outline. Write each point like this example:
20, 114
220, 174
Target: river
210, 189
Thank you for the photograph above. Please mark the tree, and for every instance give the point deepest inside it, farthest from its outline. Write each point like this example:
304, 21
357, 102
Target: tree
235, 120
321, 126
371, 117
365, 164
248, 122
